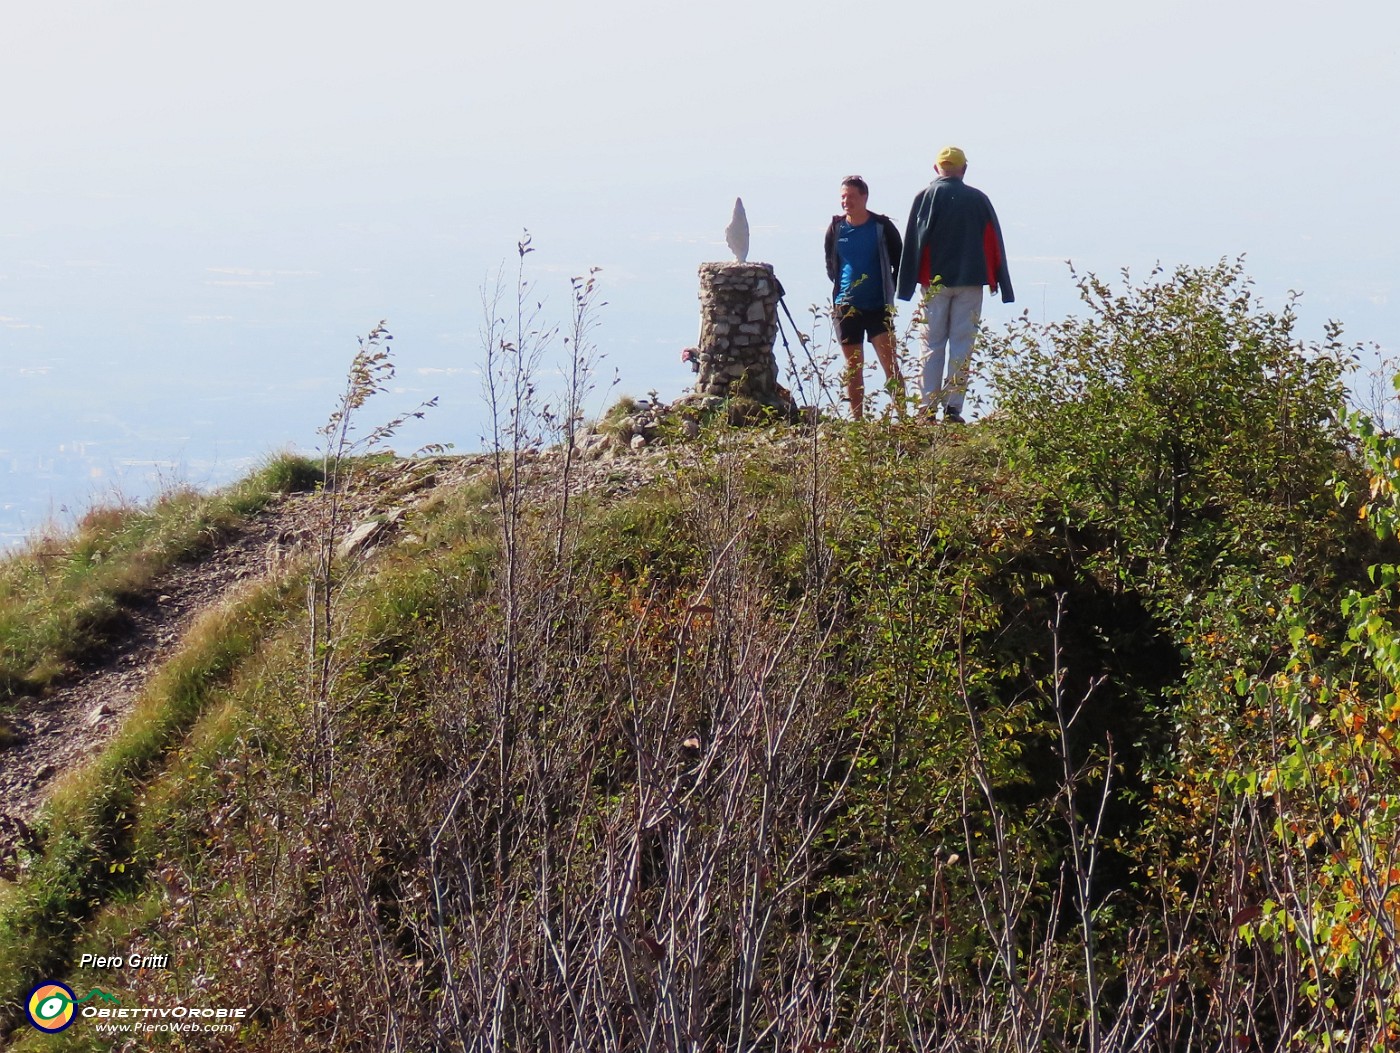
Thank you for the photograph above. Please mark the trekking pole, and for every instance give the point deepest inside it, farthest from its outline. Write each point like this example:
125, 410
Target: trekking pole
806, 347
792, 362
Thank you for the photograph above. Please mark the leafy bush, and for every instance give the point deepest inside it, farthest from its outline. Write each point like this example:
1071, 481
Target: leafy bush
1179, 418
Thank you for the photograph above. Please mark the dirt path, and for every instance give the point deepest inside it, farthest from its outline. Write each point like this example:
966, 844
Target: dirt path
74, 722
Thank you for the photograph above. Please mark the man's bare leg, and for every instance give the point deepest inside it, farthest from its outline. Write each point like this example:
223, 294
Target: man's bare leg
855, 379
884, 351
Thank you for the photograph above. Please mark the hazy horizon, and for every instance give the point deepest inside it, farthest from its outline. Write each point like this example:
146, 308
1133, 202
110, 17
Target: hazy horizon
203, 208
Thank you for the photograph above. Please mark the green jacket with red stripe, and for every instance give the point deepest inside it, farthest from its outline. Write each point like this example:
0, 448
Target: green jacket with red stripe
953, 235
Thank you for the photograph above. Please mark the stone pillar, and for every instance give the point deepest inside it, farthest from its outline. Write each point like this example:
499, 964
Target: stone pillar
738, 321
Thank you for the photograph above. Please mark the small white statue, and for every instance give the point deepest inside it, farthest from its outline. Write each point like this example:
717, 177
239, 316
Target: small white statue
736, 235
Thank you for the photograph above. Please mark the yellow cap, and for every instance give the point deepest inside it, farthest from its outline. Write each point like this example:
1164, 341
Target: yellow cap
953, 156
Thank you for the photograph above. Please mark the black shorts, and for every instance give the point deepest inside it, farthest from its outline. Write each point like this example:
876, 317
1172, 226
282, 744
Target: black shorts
853, 324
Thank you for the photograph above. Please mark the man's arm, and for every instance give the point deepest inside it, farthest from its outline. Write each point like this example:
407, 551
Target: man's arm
998, 274
829, 244
894, 248
909, 253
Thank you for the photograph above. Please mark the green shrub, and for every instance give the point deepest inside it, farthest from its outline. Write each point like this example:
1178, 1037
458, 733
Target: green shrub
1180, 418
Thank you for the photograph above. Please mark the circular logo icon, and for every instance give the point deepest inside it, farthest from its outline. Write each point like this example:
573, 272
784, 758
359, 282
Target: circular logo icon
50, 1006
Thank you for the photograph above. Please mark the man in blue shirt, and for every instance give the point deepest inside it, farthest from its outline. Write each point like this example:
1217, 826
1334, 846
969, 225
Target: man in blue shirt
862, 259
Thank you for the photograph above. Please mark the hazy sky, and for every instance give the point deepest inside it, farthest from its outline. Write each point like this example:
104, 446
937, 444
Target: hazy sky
202, 205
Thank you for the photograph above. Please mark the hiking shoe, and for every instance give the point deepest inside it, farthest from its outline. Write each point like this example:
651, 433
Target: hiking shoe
952, 416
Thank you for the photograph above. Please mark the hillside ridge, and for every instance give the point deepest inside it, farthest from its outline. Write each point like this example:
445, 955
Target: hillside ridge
53, 733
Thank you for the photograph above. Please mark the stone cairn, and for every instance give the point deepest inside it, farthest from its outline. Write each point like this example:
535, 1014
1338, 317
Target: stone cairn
738, 322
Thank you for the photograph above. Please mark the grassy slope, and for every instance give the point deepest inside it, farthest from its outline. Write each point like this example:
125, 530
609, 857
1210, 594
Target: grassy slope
829, 623
62, 598
60, 601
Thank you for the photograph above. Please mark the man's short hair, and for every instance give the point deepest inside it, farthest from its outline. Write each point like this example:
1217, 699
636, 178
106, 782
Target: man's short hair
858, 183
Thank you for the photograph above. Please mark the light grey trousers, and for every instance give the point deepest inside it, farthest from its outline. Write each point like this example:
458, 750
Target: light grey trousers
952, 314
